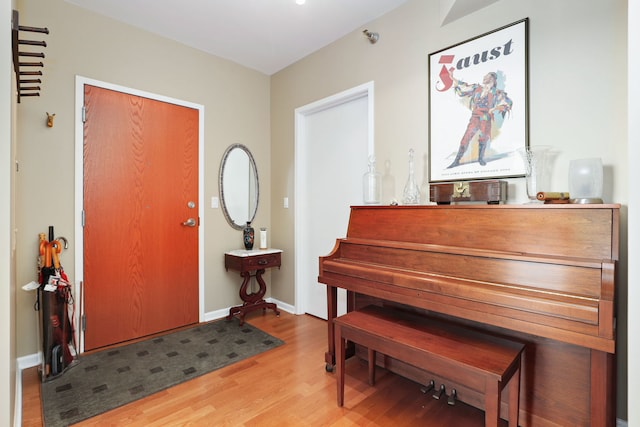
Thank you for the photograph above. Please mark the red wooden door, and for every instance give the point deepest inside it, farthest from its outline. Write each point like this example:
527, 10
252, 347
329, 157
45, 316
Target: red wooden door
140, 186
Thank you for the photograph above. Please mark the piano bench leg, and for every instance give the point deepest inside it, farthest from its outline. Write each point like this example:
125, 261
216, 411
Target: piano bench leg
340, 356
514, 397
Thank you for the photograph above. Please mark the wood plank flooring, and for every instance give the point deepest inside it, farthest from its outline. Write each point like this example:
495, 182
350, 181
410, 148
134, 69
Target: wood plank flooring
287, 386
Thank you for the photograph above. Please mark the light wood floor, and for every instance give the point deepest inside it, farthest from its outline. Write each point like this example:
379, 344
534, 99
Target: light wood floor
287, 386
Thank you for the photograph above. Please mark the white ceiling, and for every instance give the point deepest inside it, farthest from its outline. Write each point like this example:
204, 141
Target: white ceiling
265, 35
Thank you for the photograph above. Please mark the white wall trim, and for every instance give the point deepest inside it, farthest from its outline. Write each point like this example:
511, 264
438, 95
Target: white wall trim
17, 407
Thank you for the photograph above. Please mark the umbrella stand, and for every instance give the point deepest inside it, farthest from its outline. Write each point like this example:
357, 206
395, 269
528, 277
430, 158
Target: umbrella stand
54, 296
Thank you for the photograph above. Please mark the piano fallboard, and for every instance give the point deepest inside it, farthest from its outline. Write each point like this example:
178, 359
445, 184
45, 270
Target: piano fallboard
526, 294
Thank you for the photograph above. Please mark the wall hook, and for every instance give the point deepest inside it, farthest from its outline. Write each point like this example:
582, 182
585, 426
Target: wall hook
50, 119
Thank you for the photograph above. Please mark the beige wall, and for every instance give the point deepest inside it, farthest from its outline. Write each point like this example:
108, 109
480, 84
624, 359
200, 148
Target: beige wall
236, 102
577, 62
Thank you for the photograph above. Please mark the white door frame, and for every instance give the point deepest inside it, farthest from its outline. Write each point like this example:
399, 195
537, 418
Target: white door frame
300, 179
79, 190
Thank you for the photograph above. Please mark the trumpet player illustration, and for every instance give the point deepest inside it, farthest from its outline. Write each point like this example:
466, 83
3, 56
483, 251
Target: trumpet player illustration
488, 106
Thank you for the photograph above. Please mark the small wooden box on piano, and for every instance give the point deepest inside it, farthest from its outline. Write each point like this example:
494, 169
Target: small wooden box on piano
491, 191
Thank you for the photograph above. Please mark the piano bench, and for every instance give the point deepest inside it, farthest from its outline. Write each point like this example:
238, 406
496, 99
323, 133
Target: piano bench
481, 362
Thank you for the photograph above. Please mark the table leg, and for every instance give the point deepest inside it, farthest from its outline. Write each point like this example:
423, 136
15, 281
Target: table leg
252, 301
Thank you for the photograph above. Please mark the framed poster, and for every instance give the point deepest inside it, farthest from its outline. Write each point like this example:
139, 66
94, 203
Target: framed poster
478, 106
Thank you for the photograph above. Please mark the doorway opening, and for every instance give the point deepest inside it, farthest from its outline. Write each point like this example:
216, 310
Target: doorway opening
334, 138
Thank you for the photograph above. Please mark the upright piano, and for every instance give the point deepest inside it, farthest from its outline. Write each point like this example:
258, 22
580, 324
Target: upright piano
544, 275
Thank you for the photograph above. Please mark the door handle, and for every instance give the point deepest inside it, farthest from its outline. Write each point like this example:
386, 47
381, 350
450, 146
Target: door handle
191, 222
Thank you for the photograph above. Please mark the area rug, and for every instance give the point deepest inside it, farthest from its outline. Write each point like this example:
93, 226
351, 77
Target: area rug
105, 380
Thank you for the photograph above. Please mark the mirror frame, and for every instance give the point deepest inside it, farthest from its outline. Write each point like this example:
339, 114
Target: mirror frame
223, 204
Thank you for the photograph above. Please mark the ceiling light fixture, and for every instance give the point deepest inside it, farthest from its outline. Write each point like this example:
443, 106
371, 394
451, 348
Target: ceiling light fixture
300, 1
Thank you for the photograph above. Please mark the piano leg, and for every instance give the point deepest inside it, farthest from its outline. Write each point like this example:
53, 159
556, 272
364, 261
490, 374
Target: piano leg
332, 313
603, 392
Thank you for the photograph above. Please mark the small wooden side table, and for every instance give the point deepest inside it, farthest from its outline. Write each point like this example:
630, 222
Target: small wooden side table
247, 262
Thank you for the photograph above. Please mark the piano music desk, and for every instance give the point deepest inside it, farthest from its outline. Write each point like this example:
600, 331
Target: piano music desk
482, 362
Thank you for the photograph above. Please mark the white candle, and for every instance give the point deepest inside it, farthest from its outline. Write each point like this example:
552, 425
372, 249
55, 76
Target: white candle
263, 238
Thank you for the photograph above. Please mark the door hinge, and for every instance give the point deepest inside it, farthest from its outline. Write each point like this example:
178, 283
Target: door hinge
82, 218
84, 114
83, 322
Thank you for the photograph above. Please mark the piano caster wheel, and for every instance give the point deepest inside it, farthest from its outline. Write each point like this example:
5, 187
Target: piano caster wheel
426, 389
441, 392
453, 397
329, 367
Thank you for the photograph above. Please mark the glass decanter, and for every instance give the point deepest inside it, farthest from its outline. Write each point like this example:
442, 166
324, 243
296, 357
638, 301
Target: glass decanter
411, 193
372, 184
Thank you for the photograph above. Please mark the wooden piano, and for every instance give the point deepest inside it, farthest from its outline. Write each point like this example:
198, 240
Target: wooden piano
541, 274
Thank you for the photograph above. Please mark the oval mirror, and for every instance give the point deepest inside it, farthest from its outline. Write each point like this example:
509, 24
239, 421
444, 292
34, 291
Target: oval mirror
238, 184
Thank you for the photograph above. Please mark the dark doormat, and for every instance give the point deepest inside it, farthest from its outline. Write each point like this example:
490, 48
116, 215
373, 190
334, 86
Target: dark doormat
105, 380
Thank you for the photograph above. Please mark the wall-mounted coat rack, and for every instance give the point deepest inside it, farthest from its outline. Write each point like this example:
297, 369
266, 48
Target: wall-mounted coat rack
27, 72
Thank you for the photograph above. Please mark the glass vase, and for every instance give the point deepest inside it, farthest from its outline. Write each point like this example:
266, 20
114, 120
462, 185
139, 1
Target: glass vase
537, 176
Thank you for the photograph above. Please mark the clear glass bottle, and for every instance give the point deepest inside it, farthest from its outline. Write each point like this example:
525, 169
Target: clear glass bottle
372, 184
411, 193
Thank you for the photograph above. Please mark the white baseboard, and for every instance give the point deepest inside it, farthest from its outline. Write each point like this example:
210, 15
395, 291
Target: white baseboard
29, 361
283, 306
223, 312
215, 315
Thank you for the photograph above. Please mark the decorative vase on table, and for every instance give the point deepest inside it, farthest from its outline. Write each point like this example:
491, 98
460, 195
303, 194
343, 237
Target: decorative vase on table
248, 235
